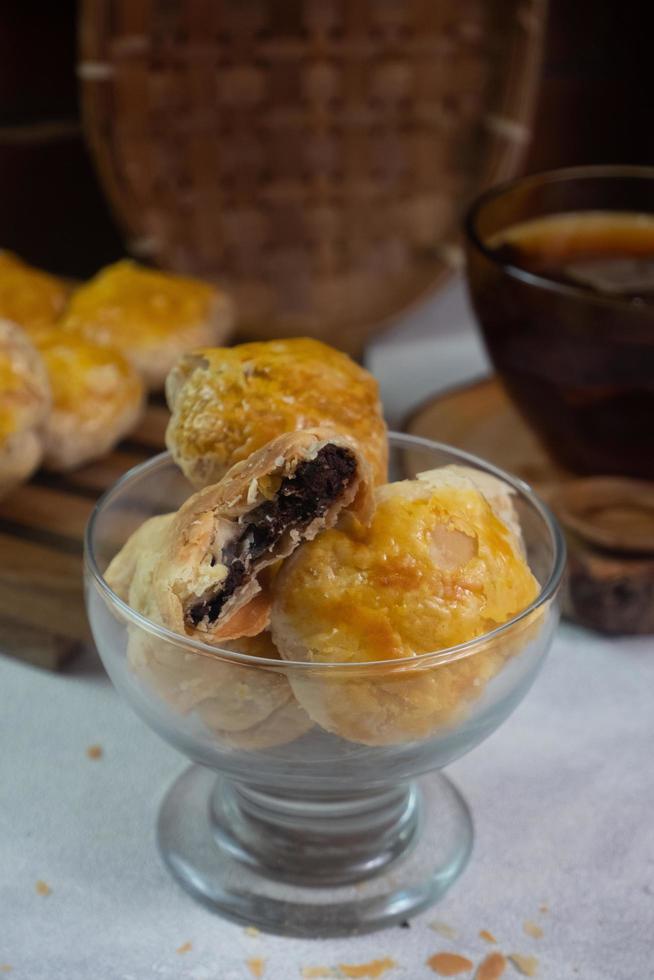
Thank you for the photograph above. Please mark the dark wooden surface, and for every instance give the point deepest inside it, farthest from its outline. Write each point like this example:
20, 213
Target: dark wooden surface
42, 617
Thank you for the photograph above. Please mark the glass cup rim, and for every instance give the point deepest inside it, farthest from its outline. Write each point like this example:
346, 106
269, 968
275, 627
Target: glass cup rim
559, 175
437, 657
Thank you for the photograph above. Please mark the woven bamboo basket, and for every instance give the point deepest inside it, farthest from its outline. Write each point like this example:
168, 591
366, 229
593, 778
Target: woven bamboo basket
313, 156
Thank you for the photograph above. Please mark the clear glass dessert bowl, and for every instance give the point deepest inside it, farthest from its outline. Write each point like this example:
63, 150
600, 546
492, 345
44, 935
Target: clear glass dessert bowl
279, 823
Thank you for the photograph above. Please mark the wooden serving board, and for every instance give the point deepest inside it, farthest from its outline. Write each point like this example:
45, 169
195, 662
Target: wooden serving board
481, 419
610, 584
42, 615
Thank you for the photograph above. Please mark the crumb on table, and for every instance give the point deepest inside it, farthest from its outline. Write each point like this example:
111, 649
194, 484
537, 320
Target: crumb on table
256, 966
449, 964
318, 972
527, 965
373, 969
532, 929
251, 931
487, 936
492, 968
185, 948
94, 752
43, 888
442, 927
5, 968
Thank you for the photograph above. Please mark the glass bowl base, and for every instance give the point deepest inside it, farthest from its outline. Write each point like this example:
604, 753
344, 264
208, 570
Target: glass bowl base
200, 844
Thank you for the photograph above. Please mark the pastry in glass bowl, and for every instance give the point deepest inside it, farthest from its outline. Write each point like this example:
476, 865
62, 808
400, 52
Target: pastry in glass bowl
436, 568
245, 708
228, 402
24, 404
152, 317
29, 297
97, 398
199, 573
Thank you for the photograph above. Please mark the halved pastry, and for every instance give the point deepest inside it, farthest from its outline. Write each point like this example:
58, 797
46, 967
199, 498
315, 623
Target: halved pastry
435, 568
246, 706
152, 317
208, 582
97, 398
31, 298
24, 403
228, 402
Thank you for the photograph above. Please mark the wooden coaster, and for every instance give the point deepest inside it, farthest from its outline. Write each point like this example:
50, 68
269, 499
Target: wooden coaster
609, 521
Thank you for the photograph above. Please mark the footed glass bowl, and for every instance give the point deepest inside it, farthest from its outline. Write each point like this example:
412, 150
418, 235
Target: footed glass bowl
280, 823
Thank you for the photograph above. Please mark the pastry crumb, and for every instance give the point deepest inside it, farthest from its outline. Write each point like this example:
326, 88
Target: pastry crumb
43, 888
492, 968
373, 969
532, 929
543, 909
94, 752
317, 972
487, 936
527, 965
5, 968
251, 931
185, 948
442, 927
256, 966
449, 964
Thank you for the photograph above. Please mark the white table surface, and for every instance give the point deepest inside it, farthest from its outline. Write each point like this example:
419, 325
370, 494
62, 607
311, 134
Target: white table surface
562, 796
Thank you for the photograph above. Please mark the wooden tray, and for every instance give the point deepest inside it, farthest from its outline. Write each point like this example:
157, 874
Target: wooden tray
42, 616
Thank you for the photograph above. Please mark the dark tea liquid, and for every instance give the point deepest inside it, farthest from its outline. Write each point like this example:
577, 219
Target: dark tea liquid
579, 362
610, 253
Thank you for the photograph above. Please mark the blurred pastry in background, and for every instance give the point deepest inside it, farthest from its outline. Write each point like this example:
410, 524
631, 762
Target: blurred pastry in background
24, 405
152, 317
228, 402
207, 581
31, 298
436, 567
97, 398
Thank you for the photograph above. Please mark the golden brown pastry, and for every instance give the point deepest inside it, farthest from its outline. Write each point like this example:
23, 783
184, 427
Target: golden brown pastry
24, 404
435, 568
97, 398
152, 317
208, 582
247, 707
31, 298
228, 402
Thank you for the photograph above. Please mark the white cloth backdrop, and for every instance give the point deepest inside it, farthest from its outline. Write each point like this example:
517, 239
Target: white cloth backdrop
562, 796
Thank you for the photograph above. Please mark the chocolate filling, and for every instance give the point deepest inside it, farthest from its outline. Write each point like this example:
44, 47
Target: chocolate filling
301, 498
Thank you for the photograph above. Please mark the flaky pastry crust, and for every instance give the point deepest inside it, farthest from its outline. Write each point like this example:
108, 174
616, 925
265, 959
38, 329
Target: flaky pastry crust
246, 707
228, 402
435, 568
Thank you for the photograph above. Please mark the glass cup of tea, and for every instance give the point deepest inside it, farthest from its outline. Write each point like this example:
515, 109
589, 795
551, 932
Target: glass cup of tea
560, 270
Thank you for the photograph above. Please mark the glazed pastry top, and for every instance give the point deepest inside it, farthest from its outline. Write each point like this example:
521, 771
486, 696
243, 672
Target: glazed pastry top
31, 298
129, 304
435, 568
228, 402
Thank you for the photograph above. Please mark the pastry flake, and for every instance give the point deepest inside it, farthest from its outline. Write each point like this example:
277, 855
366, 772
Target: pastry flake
152, 317
228, 402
